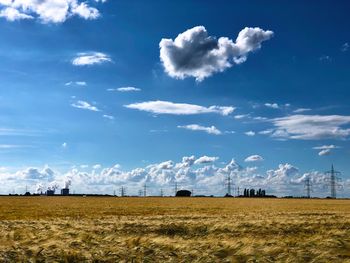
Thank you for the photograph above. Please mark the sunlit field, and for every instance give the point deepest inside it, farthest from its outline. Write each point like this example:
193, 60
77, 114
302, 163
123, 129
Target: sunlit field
93, 229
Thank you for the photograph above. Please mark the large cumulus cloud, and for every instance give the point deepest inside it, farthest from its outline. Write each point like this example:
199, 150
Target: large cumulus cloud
195, 54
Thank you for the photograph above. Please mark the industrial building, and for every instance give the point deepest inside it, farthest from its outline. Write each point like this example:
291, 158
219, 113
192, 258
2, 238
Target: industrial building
65, 191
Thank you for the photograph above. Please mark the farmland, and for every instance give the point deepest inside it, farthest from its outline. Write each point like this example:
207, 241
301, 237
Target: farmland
101, 229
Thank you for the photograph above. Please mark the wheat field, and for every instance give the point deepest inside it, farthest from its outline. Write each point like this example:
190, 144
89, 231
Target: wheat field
114, 229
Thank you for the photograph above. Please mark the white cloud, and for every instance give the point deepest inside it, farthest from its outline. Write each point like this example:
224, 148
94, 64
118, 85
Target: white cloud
300, 110
167, 107
84, 105
266, 132
8, 147
126, 89
249, 133
325, 58
324, 152
12, 14
345, 47
110, 117
64, 145
195, 54
206, 159
85, 11
311, 127
47, 11
272, 105
241, 116
92, 58
259, 118
254, 158
325, 149
97, 166
196, 127
77, 83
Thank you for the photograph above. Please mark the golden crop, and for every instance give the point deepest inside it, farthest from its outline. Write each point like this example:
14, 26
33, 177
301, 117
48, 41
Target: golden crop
108, 229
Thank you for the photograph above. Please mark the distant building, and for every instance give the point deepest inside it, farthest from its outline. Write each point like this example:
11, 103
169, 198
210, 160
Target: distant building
65, 191
50, 192
183, 193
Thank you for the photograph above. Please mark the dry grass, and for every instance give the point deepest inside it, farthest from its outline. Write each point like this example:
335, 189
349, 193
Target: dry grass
76, 229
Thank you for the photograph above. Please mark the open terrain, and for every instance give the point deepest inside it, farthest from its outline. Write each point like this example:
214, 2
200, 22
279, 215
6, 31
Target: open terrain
101, 229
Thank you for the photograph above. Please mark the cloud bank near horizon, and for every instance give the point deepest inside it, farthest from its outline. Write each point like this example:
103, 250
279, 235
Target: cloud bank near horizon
204, 174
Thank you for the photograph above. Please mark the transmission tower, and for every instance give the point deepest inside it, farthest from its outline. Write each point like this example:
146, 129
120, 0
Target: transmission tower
228, 184
145, 190
122, 191
161, 193
333, 180
308, 186
175, 188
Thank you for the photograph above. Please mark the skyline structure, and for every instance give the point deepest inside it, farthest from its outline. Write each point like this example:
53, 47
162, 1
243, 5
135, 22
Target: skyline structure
105, 94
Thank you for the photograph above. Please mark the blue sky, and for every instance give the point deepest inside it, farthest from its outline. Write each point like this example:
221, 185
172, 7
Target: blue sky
95, 90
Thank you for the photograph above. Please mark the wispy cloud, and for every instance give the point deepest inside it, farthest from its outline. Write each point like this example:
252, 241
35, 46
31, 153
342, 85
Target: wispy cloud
196, 127
167, 107
125, 89
241, 116
106, 116
325, 58
311, 127
325, 149
206, 159
345, 47
250, 133
76, 83
272, 105
14, 146
84, 105
254, 158
91, 58
301, 110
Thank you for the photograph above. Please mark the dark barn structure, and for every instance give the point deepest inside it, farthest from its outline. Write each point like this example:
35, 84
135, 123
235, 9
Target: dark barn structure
183, 193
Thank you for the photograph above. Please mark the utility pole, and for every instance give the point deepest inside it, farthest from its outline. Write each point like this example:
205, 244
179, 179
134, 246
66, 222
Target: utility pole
333, 180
